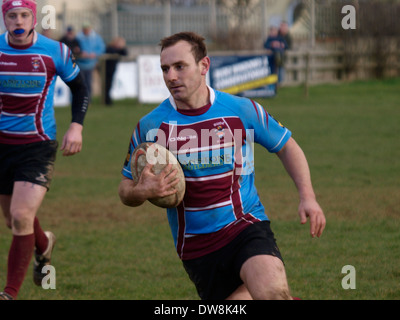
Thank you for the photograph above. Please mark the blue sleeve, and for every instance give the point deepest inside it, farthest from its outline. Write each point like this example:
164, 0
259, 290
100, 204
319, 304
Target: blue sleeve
66, 66
126, 170
268, 132
136, 139
142, 133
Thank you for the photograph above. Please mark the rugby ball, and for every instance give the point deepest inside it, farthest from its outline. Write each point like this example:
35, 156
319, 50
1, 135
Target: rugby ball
159, 157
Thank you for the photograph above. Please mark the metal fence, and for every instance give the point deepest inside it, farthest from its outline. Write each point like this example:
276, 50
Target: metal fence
232, 23
316, 25
146, 23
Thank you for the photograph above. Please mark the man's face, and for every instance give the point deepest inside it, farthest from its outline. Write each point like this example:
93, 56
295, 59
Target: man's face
19, 23
183, 76
86, 30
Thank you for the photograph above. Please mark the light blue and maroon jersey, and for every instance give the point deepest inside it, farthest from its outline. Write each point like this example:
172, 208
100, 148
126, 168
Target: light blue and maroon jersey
214, 146
27, 81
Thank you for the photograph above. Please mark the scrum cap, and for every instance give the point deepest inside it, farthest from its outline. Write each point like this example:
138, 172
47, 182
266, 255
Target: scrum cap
13, 4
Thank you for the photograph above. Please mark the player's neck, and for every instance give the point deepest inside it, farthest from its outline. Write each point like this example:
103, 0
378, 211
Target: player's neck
22, 43
200, 99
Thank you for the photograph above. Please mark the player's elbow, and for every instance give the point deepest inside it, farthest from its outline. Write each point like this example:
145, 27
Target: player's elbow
125, 201
126, 195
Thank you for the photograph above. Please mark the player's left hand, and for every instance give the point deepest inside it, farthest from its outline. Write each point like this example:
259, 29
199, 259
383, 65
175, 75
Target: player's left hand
72, 141
310, 208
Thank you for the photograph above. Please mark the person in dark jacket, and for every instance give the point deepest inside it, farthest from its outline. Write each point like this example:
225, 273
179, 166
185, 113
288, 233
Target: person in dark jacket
117, 47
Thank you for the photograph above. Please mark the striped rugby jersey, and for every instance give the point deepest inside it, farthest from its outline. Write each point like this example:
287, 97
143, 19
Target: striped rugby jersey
27, 81
214, 146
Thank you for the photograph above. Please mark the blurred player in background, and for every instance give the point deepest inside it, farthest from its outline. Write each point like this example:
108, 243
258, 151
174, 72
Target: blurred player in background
29, 66
221, 230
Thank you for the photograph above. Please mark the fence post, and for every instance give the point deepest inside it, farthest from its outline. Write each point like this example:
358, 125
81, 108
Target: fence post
114, 19
312, 29
213, 18
307, 74
102, 65
265, 22
167, 18
63, 16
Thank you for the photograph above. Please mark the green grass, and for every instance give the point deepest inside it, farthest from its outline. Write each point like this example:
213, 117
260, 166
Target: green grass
350, 134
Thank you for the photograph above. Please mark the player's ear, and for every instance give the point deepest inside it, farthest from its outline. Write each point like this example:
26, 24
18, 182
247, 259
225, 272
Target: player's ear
205, 65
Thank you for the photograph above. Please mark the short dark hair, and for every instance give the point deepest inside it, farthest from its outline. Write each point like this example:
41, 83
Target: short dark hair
199, 48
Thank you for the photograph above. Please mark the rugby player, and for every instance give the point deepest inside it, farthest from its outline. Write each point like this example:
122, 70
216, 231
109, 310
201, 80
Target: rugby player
29, 66
221, 230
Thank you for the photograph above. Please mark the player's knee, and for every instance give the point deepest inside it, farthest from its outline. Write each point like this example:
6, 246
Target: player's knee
21, 221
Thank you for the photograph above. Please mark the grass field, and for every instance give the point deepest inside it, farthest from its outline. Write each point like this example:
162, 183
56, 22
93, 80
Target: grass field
350, 134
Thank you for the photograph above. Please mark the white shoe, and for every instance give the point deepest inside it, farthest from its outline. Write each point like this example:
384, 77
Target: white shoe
43, 259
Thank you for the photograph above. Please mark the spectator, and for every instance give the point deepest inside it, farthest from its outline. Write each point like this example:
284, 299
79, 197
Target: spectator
117, 47
92, 47
275, 46
71, 41
284, 32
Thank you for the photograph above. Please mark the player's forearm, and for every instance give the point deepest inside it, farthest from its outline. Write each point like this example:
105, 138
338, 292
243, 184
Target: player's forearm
295, 163
80, 98
129, 194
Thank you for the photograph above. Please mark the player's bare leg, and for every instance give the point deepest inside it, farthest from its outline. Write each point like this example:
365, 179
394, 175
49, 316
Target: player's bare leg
23, 205
240, 293
26, 200
264, 278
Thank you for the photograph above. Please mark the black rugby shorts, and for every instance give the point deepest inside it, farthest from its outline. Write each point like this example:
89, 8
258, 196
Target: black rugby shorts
32, 163
217, 275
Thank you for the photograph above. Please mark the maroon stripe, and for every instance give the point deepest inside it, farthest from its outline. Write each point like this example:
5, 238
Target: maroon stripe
138, 130
69, 54
266, 114
18, 138
206, 193
255, 107
24, 105
180, 243
236, 199
39, 113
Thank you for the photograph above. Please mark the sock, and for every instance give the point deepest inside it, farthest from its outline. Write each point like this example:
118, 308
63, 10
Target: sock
41, 240
19, 257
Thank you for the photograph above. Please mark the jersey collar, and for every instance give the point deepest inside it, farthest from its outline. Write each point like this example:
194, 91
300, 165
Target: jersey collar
212, 98
35, 37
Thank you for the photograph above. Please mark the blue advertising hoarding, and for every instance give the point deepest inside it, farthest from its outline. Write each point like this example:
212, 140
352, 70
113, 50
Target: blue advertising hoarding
248, 76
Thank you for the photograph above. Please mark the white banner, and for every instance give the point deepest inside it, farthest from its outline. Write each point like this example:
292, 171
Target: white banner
125, 81
125, 85
152, 88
